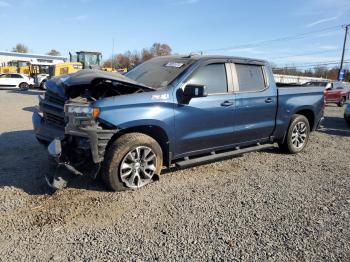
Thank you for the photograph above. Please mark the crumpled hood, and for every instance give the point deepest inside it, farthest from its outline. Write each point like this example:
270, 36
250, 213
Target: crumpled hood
85, 77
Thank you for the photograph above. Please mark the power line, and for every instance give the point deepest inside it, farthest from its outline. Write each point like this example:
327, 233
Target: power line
305, 54
265, 42
313, 65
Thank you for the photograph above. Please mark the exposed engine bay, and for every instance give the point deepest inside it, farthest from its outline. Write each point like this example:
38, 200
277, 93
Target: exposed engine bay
102, 88
95, 84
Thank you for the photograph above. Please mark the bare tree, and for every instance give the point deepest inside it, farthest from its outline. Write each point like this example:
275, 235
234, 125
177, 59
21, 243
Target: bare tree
131, 59
54, 52
20, 48
145, 55
159, 49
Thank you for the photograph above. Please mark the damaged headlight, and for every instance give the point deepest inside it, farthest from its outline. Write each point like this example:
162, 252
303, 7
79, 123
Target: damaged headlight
83, 111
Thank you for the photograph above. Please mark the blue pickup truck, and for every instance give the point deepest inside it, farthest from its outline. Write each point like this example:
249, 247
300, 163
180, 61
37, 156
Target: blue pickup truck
173, 110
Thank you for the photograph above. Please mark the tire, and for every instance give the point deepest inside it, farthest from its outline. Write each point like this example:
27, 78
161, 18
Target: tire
42, 85
342, 102
23, 86
43, 142
348, 121
298, 130
129, 153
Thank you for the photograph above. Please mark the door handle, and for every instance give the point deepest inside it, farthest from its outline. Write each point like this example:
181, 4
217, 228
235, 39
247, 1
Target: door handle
227, 103
268, 100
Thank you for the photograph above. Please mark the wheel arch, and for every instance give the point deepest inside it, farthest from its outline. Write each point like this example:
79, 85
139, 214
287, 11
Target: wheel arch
154, 131
309, 114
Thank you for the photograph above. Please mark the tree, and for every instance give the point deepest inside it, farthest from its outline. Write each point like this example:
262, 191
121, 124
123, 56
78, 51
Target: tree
20, 48
159, 49
107, 63
145, 55
131, 59
54, 52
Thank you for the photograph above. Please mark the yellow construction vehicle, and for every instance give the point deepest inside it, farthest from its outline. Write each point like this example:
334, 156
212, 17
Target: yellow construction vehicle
108, 69
113, 70
40, 72
89, 59
84, 60
65, 68
16, 66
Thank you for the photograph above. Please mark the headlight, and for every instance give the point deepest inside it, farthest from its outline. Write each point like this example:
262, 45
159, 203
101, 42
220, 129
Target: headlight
83, 111
79, 110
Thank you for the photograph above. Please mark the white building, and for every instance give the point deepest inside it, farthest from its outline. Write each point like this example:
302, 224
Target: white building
288, 79
6, 57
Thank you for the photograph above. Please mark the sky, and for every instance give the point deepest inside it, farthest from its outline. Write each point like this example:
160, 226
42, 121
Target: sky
228, 27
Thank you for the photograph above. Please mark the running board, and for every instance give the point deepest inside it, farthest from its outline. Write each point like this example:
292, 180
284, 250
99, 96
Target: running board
228, 154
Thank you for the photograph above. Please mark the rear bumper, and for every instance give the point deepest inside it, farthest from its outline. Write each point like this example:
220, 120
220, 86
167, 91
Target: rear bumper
45, 131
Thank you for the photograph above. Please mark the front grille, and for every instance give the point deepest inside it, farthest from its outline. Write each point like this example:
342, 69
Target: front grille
55, 99
54, 119
53, 107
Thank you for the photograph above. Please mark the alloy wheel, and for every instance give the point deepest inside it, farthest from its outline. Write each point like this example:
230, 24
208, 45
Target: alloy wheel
138, 167
299, 135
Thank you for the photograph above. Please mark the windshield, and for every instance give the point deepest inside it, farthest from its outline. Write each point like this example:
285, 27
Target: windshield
89, 59
40, 69
159, 72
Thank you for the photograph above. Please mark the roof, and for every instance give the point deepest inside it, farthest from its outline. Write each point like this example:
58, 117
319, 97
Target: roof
5, 53
211, 57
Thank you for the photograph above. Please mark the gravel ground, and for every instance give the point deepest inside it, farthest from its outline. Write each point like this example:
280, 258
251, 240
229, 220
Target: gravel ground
260, 206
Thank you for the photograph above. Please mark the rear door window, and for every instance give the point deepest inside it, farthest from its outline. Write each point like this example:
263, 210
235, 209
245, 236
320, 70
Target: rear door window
16, 76
250, 78
212, 76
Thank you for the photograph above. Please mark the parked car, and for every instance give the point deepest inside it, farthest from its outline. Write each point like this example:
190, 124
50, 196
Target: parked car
170, 110
335, 92
347, 114
13, 81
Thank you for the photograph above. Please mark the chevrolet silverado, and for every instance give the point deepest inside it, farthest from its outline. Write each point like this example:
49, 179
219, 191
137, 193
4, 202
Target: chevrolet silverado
172, 110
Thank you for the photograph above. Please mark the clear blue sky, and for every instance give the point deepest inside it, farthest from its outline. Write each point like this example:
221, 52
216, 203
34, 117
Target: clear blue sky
186, 25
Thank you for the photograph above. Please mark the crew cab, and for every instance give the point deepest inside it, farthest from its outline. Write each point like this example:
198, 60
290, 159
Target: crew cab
334, 91
172, 110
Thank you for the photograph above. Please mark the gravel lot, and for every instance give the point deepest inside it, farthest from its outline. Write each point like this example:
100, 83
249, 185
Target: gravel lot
260, 206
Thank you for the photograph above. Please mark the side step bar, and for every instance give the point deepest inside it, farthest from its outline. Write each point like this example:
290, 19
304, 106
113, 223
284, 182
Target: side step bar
224, 155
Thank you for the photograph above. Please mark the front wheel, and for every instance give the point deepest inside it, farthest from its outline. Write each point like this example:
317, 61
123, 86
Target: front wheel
132, 161
23, 86
342, 102
297, 135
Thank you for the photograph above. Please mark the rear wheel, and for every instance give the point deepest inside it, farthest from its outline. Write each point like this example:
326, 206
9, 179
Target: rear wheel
132, 161
23, 86
342, 102
297, 135
42, 85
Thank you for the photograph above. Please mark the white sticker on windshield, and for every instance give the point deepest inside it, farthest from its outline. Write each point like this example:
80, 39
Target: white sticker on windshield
174, 64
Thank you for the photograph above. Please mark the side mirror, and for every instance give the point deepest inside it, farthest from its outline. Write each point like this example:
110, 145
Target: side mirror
328, 89
192, 91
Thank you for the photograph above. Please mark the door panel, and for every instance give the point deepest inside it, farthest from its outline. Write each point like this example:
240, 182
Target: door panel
254, 115
6, 82
206, 122
255, 103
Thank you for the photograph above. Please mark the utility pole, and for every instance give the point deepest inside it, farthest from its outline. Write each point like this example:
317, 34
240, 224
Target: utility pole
343, 53
112, 54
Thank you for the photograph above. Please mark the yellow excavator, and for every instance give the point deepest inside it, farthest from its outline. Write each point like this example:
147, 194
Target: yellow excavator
83, 60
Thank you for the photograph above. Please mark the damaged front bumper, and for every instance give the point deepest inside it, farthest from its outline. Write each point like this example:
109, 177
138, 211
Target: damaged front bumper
81, 150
